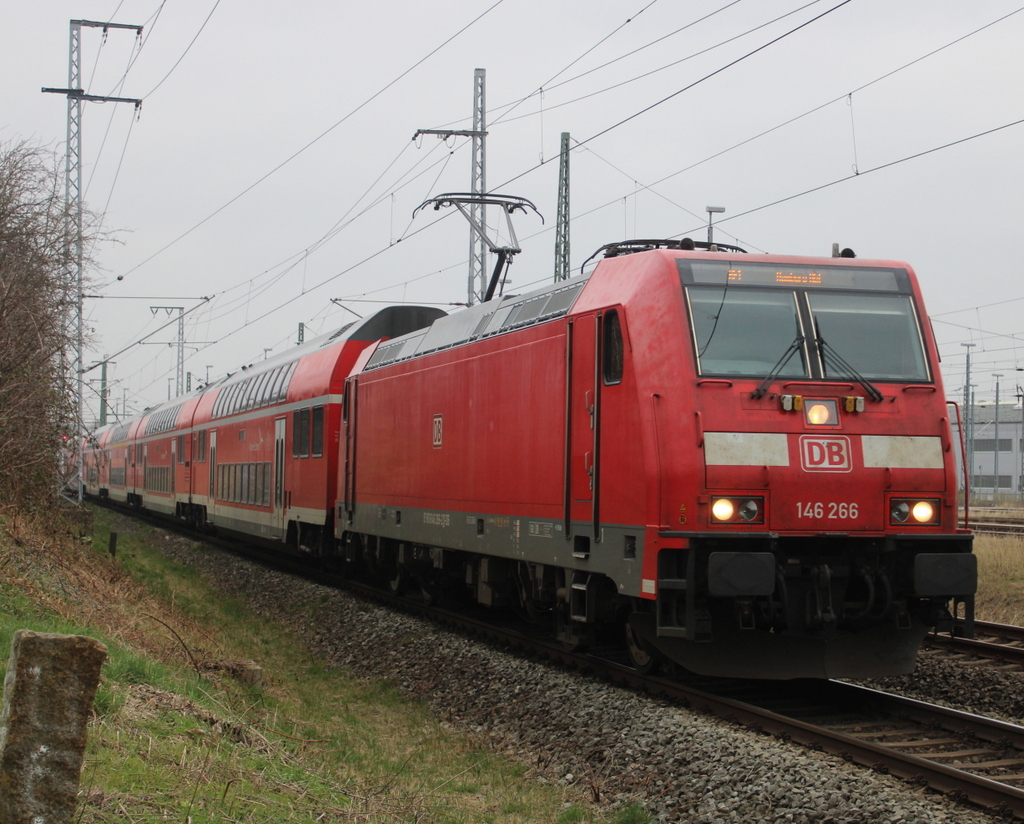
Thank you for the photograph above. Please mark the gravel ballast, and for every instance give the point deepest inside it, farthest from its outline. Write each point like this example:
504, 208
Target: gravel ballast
616, 745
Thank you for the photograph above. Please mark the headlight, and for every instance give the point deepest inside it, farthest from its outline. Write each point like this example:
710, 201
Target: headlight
923, 512
723, 509
749, 510
914, 511
737, 509
821, 412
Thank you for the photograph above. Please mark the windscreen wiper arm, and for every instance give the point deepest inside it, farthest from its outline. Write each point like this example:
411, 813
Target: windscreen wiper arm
830, 357
762, 387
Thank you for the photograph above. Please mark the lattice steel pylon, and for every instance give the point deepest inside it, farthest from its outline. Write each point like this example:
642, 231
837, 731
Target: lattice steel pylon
478, 211
73, 204
562, 218
179, 380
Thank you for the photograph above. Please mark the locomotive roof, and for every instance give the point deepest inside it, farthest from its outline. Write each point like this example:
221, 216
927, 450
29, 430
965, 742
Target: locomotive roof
482, 321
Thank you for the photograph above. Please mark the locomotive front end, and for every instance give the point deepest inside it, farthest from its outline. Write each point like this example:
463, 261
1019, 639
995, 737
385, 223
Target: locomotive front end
820, 535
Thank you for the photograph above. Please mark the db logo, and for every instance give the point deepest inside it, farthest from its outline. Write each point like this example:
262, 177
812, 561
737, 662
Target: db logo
438, 431
825, 454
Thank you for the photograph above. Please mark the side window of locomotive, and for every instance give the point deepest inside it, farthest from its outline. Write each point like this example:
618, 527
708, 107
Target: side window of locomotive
878, 335
612, 348
317, 443
743, 331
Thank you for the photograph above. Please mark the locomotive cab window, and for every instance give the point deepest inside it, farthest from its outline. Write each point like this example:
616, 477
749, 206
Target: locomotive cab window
743, 331
612, 348
878, 335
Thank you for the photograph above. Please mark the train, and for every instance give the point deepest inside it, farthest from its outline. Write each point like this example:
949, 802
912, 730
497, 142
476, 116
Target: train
737, 464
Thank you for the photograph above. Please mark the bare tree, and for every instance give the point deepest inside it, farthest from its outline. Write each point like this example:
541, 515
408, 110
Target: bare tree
37, 306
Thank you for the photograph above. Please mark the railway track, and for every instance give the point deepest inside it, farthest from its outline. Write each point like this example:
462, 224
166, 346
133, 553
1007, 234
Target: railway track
999, 643
973, 759
995, 521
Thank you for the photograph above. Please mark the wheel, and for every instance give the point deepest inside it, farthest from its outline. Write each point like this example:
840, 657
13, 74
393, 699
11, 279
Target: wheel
640, 657
430, 591
398, 581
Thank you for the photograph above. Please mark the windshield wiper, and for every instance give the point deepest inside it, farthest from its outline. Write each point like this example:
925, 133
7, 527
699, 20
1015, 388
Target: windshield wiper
833, 359
762, 387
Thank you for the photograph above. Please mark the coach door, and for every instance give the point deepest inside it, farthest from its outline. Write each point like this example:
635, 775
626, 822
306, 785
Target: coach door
211, 499
583, 423
278, 516
348, 415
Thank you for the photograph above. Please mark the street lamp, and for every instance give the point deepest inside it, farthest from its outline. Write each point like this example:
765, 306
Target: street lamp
995, 483
969, 427
713, 210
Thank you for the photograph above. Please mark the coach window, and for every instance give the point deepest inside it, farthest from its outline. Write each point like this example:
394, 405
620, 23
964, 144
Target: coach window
250, 392
318, 432
274, 394
229, 400
238, 398
266, 387
181, 449
300, 436
612, 348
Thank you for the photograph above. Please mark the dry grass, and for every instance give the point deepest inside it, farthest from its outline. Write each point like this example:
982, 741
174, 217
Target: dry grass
178, 739
1000, 578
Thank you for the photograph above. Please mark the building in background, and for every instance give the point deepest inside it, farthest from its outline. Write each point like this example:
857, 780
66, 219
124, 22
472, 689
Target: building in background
984, 454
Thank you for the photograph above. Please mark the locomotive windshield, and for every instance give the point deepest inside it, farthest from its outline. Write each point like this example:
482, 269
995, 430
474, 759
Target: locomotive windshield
877, 334
745, 331
828, 323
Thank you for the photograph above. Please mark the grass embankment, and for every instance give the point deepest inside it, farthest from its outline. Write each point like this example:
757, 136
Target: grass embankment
175, 738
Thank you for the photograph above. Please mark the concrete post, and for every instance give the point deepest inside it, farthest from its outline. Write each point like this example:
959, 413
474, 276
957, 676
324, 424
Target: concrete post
48, 693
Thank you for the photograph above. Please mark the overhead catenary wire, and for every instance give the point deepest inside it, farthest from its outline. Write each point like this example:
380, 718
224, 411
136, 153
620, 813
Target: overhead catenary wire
644, 75
749, 211
188, 48
314, 141
765, 206
247, 322
781, 125
717, 71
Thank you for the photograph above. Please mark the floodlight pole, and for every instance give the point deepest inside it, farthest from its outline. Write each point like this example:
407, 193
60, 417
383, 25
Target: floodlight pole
713, 210
969, 424
995, 469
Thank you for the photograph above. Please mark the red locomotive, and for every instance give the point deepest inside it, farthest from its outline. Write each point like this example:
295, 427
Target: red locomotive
739, 463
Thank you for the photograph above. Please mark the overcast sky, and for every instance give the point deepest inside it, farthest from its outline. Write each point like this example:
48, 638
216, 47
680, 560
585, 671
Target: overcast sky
272, 167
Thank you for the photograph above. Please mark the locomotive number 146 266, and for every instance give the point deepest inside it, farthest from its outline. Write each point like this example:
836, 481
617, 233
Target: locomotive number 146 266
829, 510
